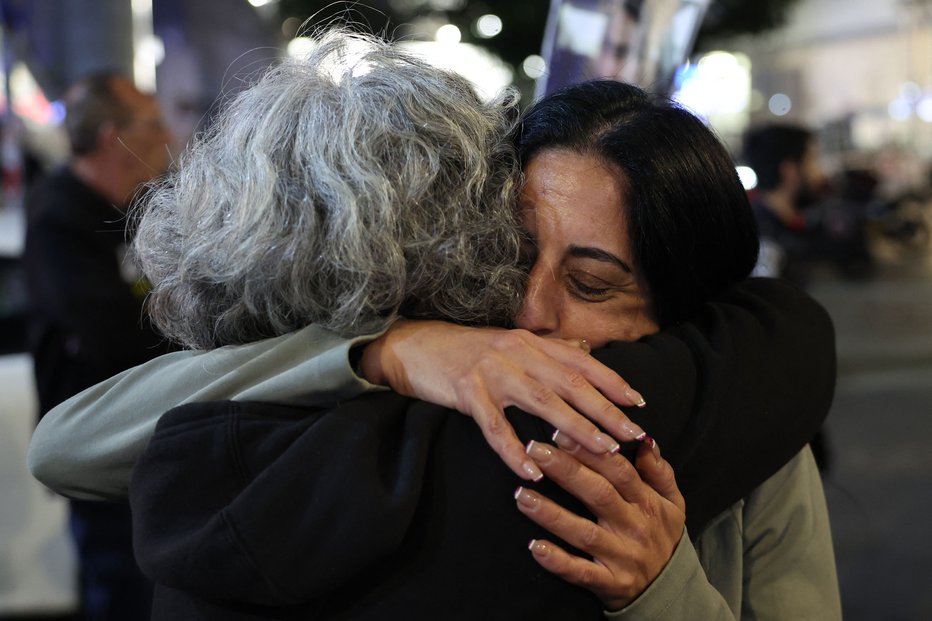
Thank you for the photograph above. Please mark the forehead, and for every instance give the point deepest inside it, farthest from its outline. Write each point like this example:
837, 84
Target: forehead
576, 195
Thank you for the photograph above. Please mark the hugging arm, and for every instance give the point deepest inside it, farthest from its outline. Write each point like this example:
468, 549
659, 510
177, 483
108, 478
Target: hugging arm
481, 371
86, 447
731, 395
764, 358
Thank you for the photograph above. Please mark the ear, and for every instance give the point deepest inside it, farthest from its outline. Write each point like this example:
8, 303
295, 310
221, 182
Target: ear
107, 136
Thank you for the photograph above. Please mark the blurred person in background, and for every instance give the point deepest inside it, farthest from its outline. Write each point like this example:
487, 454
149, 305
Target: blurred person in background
805, 219
789, 179
844, 218
87, 318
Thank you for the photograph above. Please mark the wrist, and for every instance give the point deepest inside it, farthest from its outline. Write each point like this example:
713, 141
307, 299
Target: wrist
367, 361
380, 363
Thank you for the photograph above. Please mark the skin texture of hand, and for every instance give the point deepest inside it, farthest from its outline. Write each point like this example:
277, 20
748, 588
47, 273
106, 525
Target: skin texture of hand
640, 518
493, 369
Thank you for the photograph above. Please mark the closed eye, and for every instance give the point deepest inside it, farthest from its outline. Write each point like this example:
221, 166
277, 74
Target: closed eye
588, 292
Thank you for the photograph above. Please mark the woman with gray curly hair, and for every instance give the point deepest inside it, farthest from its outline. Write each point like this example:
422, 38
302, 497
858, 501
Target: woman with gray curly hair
321, 196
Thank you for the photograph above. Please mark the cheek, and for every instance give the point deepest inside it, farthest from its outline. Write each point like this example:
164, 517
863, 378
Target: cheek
155, 155
617, 320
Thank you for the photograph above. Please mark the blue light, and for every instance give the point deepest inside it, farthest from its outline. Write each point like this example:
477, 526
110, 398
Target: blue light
57, 115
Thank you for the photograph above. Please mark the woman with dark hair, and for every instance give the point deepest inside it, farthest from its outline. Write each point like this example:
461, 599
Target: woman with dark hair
691, 233
384, 506
641, 198
638, 220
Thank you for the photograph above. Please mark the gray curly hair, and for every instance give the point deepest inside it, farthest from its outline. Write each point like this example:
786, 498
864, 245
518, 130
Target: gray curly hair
345, 189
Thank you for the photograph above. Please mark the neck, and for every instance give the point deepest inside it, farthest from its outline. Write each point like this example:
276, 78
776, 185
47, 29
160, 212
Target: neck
98, 174
780, 202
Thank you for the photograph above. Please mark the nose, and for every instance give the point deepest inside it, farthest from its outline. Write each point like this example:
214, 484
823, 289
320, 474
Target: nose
540, 312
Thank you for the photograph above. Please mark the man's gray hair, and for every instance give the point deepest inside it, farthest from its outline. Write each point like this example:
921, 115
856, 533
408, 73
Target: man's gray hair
346, 189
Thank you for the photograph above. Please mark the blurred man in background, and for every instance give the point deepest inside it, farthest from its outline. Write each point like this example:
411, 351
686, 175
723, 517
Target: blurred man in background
87, 320
789, 179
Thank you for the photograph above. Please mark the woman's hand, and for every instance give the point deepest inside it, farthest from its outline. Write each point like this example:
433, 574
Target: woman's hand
641, 516
481, 371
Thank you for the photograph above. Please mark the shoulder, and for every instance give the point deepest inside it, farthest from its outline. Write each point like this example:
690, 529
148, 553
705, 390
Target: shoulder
777, 500
772, 507
757, 550
262, 433
61, 200
759, 293
203, 423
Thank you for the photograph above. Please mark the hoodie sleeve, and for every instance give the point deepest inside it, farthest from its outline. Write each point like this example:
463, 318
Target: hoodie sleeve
85, 448
263, 504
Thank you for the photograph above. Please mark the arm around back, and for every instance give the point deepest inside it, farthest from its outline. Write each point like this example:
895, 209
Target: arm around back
86, 447
735, 393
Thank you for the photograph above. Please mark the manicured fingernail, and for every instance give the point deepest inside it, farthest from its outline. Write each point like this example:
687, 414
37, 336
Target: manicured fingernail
652, 444
541, 453
636, 397
607, 443
538, 547
565, 442
526, 498
632, 431
532, 471
585, 345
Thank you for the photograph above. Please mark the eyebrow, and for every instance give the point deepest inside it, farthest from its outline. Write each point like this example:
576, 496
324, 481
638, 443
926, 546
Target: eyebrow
586, 252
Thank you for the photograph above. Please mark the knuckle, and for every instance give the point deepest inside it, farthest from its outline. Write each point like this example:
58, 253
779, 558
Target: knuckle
511, 340
488, 364
641, 532
587, 577
649, 506
666, 475
604, 495
576, 379
626, 584
496, 425
465, 389
624, 473
578, 357
542, 395
590, 535
465, 384
608, 410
